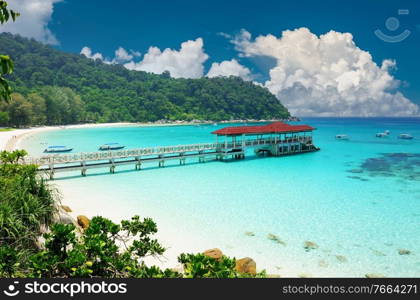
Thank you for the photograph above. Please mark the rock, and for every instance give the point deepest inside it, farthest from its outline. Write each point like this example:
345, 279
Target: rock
66, 208
214, 253
341, 258
273, 276
308, 245
374, 275
275, 238
249, 233
304, 275
64, 218
246, 265
404, 252
83, 221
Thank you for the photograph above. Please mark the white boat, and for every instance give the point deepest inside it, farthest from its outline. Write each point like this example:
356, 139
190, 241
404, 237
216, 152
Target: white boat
383, 134
405, 136
341, 137
111, 146
57, 149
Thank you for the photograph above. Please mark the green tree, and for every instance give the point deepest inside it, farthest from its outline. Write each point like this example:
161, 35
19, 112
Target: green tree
6, 64
39, 108
4, 118
19, 110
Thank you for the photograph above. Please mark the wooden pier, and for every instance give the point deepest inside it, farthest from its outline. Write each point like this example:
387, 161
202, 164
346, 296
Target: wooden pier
234, 146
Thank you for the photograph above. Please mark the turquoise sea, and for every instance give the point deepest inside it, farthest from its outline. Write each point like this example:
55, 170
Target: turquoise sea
358, 200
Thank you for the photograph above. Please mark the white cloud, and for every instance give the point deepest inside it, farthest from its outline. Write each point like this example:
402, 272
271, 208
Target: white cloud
229, 68
121, 55
185, 63
327, 75
86, 51
33, 21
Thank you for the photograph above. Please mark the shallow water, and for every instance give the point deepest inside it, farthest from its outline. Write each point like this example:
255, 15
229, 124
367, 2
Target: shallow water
358, 200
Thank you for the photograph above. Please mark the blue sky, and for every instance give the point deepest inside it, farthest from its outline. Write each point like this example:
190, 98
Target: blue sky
106, 25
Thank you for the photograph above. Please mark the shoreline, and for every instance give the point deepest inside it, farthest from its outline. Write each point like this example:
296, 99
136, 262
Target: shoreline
10, 140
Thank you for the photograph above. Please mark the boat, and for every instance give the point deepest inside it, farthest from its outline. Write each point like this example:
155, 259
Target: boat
57, 149
341, 137
383, 134
111, 146
405, 136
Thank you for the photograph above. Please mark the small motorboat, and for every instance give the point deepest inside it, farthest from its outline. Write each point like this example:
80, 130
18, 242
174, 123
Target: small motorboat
405, 136
111, 146
341, 137
383, 134
57, 149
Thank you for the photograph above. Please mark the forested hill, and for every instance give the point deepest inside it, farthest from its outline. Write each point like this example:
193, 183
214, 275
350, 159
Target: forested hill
62, 88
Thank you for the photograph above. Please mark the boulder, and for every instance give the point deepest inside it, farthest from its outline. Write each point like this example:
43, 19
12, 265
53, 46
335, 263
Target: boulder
66, 208
214, 253
404, 252
83, 221
246, 265
308, 245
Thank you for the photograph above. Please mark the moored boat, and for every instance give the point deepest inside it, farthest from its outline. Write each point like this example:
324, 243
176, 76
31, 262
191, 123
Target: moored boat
57, 149
341, 137
383, 134
405, 136
111, 146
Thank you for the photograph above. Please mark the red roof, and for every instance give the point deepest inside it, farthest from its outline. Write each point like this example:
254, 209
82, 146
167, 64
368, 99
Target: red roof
275, 127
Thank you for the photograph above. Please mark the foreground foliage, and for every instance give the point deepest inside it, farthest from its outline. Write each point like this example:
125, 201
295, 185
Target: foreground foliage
104, 249
26, 205
50, 81
6, 64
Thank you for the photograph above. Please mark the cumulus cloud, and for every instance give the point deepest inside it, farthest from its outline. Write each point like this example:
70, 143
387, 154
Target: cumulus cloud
229, 68
185, 63
86, 51
327, 75
34, 19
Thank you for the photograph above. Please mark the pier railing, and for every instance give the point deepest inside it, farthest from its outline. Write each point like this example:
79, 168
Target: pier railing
52, 159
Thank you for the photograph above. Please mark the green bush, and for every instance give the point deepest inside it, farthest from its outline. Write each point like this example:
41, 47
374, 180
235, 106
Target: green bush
26, 204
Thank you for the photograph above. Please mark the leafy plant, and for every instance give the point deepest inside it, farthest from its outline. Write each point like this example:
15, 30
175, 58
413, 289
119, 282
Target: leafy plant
6, 64
26, 206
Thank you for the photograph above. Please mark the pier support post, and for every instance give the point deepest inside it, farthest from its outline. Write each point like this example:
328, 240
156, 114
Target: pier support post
161, 163
83, 172
51, 175
138, 163
112, 169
